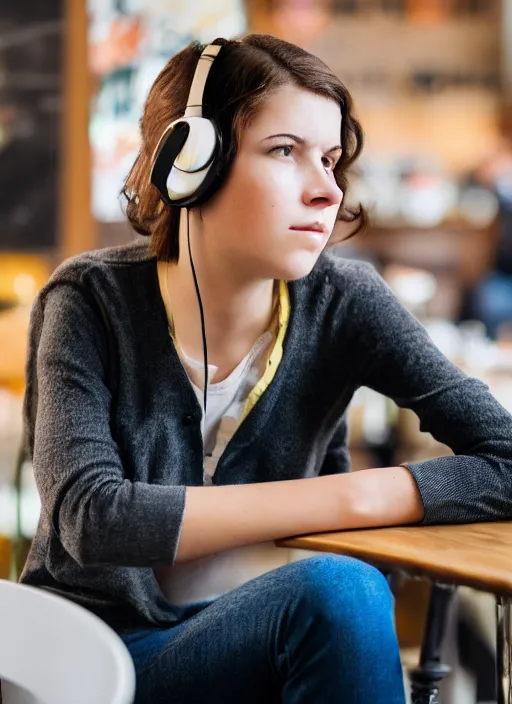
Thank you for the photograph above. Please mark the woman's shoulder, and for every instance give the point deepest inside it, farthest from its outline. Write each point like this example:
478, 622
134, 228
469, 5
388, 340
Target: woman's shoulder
345, 276
96, 281
339, 285
103, 260
98, 269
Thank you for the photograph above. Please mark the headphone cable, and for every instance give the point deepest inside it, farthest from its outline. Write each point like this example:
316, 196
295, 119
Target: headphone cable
201, 313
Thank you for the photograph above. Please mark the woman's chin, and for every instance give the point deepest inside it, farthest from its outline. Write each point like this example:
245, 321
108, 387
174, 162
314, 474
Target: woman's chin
299, 265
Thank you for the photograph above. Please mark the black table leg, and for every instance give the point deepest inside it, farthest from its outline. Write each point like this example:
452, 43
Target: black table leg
503, 675
425, 678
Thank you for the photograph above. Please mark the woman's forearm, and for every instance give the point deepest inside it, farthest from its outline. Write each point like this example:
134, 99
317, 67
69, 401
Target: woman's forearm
222, 517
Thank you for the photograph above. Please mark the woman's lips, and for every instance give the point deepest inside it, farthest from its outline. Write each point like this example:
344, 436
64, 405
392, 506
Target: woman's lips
315, 228
317, 234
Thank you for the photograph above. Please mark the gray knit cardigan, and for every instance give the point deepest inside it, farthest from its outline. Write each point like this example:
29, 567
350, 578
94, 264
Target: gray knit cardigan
113, 424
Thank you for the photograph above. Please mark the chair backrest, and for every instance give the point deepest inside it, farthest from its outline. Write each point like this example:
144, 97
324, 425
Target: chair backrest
53, 651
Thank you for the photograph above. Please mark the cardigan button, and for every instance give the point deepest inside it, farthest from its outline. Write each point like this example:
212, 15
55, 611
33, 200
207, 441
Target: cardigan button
188, 419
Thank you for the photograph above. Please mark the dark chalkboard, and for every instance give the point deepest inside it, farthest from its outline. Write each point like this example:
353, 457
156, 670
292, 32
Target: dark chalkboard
30, 108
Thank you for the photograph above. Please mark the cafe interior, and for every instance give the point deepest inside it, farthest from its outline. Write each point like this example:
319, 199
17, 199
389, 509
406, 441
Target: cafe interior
432, 87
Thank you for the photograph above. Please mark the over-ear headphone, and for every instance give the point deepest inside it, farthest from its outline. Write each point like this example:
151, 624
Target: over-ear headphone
186, 152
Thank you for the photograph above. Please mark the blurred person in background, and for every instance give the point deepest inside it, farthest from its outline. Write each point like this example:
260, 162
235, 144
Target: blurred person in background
490, 299
186, 400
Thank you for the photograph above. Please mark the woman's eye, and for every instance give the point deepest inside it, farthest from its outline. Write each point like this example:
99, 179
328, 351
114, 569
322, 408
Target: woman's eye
328, 163
286, 149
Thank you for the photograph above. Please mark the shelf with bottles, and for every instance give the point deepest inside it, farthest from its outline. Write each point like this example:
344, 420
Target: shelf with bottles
410, 10
419, 10
389, 55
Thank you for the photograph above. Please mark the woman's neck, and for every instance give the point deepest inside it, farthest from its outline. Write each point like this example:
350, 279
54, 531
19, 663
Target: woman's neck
235, 313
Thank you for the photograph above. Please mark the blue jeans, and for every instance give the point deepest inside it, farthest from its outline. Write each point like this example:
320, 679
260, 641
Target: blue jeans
316, 631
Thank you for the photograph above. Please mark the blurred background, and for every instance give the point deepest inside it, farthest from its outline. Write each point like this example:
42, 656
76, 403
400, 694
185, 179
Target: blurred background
432, 86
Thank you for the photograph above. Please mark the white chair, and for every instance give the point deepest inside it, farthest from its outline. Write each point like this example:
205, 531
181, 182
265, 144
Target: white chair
55, 652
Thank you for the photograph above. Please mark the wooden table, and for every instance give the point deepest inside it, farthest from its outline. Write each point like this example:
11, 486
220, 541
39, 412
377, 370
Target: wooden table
474, 555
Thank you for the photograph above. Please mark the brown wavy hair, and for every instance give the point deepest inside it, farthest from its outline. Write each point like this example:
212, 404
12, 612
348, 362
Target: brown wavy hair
245, 73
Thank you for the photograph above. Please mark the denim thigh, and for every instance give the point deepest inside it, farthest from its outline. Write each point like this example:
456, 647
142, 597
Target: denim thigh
317, 630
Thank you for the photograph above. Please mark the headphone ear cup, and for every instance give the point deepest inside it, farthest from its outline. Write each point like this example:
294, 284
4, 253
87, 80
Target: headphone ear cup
182, 167
181, 184
199, 148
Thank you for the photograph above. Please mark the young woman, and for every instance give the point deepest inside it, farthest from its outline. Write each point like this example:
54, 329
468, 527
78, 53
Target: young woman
161, 518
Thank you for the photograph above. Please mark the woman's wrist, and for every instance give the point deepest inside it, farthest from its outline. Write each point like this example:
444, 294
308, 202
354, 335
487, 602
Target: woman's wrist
384, 496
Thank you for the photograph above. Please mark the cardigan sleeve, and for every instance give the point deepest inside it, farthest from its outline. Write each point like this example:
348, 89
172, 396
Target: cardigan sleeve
98, 514
400, 361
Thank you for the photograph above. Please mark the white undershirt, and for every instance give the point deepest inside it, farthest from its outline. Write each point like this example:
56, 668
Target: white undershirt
226, 399
209, 577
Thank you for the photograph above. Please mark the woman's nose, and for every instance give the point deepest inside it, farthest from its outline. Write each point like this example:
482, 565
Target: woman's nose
321, 188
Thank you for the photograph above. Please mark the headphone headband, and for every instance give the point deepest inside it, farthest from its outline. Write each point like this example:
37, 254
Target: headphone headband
194, 107
195, 97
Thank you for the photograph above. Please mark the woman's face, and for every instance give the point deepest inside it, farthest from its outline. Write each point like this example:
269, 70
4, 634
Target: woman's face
276, 211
